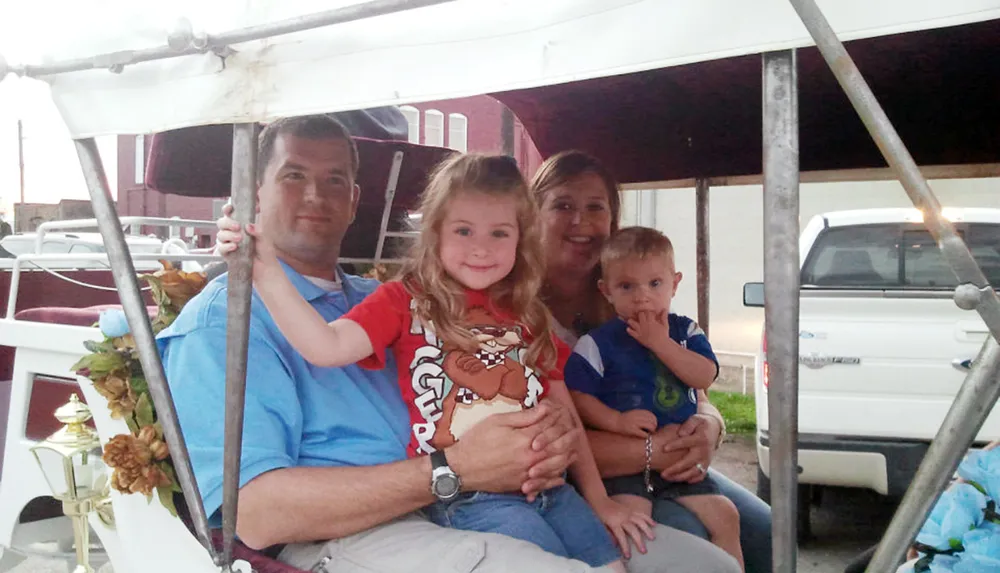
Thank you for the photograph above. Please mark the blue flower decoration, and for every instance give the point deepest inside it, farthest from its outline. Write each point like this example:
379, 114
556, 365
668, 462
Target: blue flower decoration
983, 468
113, 323
959, 510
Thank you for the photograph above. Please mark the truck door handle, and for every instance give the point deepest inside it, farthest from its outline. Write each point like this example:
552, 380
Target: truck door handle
963, 364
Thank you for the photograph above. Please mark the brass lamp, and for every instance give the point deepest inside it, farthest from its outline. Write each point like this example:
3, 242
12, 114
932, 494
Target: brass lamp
71, 462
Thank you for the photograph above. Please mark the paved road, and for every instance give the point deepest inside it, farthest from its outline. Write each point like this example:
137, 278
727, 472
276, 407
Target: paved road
846, 523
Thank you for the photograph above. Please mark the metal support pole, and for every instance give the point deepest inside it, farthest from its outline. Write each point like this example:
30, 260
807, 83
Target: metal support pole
244, 198
702, 249
507, 130
979, 392
781, 295
184, 42
127, 283
20, 154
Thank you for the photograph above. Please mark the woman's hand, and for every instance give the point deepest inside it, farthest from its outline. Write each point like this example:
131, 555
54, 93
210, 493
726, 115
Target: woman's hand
625, 524
698, 435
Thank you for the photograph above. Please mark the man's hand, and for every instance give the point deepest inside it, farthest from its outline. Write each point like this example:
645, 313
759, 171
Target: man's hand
638, 423
698, 435
525, 451
650, 329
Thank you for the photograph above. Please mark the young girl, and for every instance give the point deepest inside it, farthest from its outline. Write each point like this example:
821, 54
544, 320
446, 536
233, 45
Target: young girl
471, 338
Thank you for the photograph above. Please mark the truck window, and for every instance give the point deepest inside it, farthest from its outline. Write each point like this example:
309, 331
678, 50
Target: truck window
891, 256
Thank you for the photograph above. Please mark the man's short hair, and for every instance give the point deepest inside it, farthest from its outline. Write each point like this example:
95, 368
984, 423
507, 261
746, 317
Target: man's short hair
319, 126
635, 243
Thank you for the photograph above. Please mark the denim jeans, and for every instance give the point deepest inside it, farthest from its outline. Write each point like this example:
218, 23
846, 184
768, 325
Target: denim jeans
559, 521
755, 522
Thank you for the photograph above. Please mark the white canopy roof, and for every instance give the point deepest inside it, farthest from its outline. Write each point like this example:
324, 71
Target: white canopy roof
461, 48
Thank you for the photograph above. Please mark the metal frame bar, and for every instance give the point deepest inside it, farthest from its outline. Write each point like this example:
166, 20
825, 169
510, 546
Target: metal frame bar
781, 288
702, 248
244, 199
183, 42
979, 392
390, 195
138, 320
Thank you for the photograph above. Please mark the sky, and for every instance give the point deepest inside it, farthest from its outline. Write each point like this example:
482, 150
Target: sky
52, 171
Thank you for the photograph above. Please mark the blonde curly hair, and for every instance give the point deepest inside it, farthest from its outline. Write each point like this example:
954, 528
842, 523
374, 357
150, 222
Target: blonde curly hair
440, 299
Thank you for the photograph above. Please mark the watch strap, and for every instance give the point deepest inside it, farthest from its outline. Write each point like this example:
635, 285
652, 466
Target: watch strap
438, 460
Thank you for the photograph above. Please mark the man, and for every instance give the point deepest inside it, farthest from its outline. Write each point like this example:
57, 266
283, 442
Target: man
324, 469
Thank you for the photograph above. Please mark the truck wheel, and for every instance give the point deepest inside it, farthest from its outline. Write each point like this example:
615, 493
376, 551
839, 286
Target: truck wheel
763, 486
805, 500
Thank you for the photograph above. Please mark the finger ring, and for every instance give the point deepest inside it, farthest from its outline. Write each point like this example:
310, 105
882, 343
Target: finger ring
700, 467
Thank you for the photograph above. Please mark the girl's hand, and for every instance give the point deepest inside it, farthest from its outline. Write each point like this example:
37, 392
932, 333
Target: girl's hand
638, 423
229, 237
625, 524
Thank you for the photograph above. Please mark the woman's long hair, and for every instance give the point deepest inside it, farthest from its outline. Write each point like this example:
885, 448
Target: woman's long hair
440, 299
561, 169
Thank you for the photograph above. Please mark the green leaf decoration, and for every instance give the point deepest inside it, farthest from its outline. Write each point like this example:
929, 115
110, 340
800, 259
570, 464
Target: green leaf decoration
166, 495
139, 384
169, 470
144, 415
132, 426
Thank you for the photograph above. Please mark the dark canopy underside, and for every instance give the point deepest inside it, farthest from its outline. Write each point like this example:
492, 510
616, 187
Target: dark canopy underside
940, 88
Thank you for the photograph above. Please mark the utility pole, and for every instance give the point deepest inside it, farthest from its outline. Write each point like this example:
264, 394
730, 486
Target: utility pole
20, 154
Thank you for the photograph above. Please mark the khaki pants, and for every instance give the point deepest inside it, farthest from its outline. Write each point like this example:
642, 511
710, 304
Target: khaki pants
413, 544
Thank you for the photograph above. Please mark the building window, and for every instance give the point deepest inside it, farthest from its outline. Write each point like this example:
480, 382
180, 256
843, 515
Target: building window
434, 128
140, 159
412, 116
458, 132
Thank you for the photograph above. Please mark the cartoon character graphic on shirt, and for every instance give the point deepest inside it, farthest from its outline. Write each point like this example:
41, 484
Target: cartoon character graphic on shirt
471, 386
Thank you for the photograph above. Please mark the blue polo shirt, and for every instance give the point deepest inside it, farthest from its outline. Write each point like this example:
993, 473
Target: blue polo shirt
610, 365
296, 414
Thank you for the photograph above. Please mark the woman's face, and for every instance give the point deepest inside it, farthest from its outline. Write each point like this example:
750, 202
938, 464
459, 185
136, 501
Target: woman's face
576, 219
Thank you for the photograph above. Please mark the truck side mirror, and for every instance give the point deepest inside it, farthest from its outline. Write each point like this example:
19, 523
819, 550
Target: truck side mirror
753, 294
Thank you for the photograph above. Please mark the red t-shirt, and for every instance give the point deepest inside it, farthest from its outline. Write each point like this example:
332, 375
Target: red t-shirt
446, 389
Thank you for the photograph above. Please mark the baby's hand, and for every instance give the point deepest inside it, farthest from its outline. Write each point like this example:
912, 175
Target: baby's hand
638, 423
625, 524
649, 329
229, 237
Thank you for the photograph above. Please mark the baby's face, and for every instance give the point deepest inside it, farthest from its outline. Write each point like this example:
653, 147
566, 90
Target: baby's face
634, 285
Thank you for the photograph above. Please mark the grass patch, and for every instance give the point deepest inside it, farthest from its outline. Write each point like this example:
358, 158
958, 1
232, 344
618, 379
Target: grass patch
738, 411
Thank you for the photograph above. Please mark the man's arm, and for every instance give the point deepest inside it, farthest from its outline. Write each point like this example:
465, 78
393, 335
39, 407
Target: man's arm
506, 452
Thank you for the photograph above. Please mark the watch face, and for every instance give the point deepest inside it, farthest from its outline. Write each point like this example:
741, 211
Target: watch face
446, 486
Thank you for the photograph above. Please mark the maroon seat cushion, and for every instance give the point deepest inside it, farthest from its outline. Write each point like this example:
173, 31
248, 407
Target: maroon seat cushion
71, 316
260, 562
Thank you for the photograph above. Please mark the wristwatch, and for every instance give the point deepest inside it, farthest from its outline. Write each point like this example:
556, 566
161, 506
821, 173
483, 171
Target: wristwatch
445, 483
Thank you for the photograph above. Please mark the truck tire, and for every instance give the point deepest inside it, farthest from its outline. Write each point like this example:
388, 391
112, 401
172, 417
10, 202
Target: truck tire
803, 526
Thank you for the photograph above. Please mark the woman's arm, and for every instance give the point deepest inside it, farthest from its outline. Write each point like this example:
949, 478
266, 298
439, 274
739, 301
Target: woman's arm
619, 455
334, 344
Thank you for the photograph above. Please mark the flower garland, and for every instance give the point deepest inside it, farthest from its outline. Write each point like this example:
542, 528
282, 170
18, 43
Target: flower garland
140, 459
962, 533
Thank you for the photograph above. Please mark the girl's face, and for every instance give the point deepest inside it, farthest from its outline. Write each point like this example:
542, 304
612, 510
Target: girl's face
479, 238
576, 219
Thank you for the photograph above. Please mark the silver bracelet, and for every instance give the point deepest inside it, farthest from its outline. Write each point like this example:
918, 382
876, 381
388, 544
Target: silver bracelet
649, 461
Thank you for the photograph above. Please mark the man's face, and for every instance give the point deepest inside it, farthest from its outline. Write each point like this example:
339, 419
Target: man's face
307, 199
634, 285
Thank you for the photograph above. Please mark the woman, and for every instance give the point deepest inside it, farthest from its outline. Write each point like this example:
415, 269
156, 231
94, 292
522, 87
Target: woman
580, 207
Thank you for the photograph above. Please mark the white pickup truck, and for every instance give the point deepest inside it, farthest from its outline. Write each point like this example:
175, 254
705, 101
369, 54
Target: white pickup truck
882, 346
